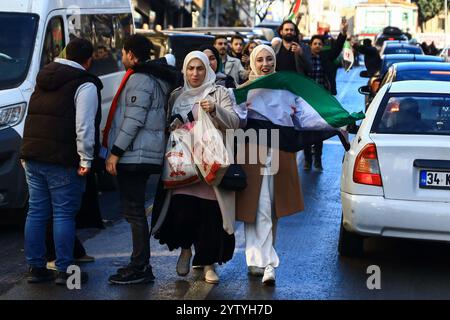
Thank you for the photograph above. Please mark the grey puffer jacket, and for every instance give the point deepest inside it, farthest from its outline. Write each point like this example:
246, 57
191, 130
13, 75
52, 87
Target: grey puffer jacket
137, 133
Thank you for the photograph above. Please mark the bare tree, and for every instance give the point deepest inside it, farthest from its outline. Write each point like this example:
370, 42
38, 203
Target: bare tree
262, 8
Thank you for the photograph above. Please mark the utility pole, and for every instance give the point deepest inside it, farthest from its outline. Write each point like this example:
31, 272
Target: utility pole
446, 21
217, 12
206, 13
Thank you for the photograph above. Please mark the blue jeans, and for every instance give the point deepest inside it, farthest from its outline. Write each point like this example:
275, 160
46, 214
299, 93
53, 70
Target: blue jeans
58, 189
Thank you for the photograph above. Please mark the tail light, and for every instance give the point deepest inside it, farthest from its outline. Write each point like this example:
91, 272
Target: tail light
367, 169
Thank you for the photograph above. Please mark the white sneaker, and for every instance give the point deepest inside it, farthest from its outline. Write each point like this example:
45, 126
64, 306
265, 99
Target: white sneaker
255, 271
51, 265
211, 275
184, 262
269, 276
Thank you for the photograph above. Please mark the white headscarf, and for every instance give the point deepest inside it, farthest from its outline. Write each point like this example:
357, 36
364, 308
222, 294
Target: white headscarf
189, 95
254, 74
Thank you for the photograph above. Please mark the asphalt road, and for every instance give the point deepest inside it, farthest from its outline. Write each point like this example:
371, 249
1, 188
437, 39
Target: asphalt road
310, 267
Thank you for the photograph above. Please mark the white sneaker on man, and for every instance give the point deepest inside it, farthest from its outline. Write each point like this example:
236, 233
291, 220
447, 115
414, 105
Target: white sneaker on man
269, 276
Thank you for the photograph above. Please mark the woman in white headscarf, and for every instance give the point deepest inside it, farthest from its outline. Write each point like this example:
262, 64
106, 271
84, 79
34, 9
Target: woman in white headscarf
199, 214
275, 193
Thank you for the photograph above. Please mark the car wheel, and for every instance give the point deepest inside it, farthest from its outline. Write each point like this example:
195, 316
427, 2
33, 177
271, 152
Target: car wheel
350, 244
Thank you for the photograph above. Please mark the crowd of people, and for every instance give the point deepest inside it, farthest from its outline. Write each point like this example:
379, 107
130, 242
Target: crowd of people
145, 110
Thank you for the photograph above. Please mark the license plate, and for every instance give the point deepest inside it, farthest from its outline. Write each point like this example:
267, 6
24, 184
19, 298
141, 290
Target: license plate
434, 179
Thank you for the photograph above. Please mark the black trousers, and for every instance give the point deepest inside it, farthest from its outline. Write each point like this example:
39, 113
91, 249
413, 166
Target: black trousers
317, 152
195, 221
132, 179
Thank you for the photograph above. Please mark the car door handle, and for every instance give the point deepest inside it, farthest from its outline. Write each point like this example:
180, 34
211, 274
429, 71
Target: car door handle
432, 164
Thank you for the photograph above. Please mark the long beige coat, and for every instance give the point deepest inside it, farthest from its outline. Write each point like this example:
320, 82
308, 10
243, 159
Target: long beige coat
223, 118
288, 195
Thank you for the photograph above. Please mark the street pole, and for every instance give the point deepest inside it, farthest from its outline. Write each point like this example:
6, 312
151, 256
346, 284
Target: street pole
446, 22
206, 13
217, 12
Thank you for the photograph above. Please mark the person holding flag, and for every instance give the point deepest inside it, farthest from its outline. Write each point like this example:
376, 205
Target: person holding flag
323, 73
284, 104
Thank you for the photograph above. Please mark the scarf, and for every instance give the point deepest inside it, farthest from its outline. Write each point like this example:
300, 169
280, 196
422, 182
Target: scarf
253, 74
189, 95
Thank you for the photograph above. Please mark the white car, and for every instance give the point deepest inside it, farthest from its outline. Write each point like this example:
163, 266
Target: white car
396, 176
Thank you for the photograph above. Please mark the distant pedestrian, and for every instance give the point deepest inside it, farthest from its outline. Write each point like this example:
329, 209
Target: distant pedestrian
58, 150
292, 55
236, 47
324, 73
135, 138
247, 52
215, 62
231, 66
372, 58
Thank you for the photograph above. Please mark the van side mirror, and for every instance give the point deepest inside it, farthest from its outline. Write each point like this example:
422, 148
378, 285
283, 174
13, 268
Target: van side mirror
364, 74
364, 90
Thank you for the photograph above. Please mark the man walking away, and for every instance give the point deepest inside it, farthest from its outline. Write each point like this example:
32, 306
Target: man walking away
135, 138
292, 55
58, 150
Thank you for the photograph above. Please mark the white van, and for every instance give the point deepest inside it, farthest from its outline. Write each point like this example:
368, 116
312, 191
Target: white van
32, 34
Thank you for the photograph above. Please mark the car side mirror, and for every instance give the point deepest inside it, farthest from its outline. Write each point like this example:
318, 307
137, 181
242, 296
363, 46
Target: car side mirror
364, 90
364, 74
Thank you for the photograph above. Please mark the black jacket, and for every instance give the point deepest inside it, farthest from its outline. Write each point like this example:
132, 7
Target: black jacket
327, 58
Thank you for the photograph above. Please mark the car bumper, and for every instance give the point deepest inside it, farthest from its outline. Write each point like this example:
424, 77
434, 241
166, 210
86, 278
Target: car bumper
377, 216
13, 187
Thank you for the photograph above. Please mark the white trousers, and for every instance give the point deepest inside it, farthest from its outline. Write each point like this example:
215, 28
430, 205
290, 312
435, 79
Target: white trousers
260, 236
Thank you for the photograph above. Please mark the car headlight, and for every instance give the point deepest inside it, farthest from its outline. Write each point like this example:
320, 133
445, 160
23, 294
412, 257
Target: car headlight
11, 115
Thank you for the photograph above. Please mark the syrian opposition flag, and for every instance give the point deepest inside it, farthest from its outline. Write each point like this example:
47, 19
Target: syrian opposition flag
291, 100
347, 55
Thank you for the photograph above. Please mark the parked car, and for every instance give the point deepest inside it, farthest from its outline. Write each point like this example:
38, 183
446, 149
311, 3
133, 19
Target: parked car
175, 42
403, 71
395, 179
373, 85
389, 33
400, 48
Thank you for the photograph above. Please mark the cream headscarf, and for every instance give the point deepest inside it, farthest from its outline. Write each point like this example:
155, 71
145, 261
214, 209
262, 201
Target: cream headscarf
189, 95
253, 74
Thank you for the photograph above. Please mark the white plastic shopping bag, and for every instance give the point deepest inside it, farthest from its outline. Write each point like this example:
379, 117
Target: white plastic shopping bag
179, 167
210, 154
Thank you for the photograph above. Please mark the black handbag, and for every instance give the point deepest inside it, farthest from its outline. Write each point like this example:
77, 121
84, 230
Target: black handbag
234, 179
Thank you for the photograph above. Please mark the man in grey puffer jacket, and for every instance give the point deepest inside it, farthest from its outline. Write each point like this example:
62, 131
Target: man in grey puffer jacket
136, 143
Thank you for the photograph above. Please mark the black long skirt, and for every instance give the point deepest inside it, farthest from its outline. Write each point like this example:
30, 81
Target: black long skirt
195, 221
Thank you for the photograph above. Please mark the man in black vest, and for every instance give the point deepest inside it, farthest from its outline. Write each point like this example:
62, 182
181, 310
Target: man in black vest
58, 150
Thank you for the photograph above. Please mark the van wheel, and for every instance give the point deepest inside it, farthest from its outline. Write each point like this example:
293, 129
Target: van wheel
350, 244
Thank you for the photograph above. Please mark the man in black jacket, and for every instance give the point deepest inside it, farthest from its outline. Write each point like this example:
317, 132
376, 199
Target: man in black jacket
323, 72
372, 58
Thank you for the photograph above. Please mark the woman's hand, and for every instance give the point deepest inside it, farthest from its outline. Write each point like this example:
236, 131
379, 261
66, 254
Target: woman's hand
208, 106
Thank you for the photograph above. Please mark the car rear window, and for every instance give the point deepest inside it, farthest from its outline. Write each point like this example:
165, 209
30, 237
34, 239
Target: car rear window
437, 75
402, 50
421, 114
